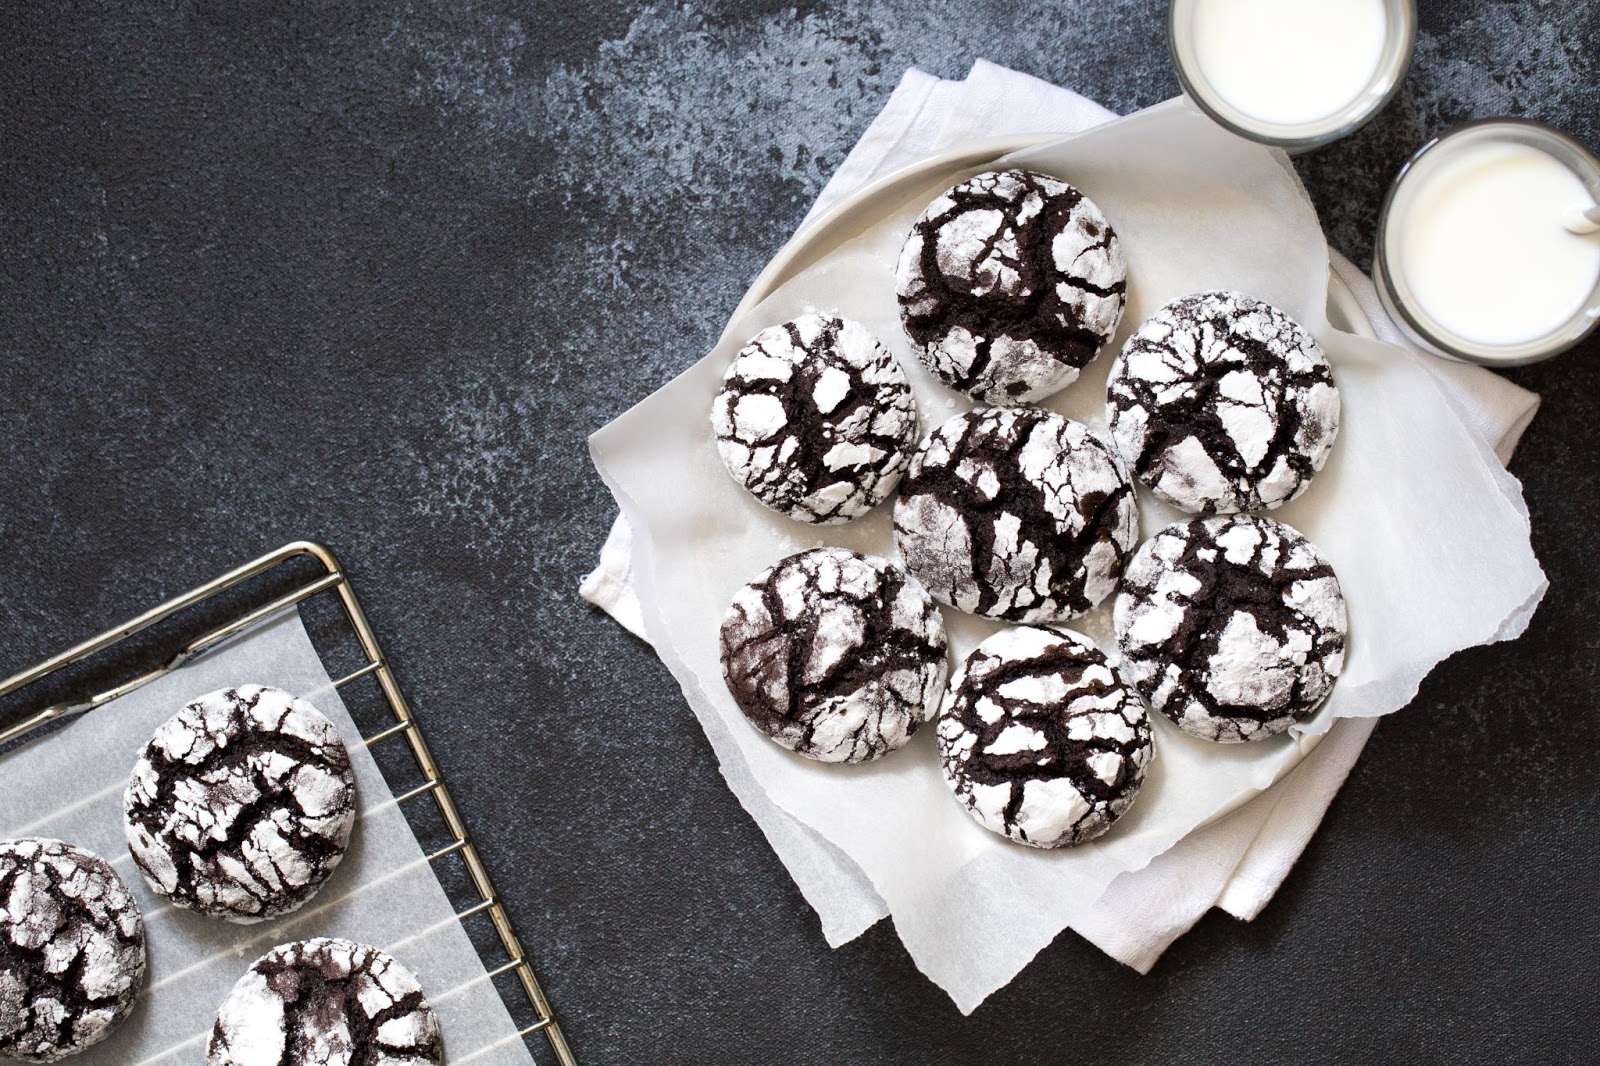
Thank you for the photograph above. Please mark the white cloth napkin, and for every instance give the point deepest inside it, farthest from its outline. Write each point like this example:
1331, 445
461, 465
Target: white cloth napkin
1237, 863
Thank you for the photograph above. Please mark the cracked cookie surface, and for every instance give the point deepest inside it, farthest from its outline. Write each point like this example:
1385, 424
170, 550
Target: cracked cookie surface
815, 418
1222, 403
72, 951
325, 1002
241, 805
1232, 626
1040, 739
836, 656
1009, 284
1016, 513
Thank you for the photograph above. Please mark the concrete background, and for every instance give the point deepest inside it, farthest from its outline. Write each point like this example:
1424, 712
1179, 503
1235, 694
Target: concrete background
369, 273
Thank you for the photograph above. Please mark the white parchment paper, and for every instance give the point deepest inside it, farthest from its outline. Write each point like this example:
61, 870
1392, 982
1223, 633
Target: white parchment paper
69, 785
1426, 530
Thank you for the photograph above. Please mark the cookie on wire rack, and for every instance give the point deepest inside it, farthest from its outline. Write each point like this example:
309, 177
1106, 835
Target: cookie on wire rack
72, 950
326, 1002
241, 805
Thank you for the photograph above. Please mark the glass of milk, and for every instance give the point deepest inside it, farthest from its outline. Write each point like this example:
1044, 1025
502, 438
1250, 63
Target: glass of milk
1294, 74
1477, 257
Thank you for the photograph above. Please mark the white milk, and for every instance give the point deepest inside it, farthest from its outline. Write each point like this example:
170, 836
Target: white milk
1289, 62
1480, 244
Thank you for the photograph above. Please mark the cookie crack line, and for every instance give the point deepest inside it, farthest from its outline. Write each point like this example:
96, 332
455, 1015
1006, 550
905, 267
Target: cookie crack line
302, 1013
1019, 305
1261, 595
1066, 753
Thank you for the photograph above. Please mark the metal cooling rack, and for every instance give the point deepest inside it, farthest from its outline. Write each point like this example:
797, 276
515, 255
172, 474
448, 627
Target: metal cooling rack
238, 619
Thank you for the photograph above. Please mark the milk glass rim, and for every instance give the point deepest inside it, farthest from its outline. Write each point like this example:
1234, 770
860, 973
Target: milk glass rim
1399, 44
1515, 355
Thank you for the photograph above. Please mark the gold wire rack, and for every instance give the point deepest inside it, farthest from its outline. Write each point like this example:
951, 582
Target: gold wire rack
332, 580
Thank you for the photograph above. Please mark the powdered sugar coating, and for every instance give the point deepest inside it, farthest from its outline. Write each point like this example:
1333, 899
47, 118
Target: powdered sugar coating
241, 805
1041, 740
1222, 403
1009, 284
325, 1002
837, 656
1232, 626
1016, 513
815, 418
72, 952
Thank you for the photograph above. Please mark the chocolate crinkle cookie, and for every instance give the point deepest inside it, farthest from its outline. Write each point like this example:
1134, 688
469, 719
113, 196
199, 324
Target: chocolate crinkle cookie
1009, 284
1041, 740
1221, 403
1232, 626
815, 418
242, 804
837, 656
325, 1002
1016, 513
72, 956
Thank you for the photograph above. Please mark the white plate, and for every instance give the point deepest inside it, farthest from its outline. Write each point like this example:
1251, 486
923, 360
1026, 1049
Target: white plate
924, 179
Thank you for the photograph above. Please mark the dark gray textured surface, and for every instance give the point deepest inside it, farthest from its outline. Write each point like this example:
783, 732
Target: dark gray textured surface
370, 273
